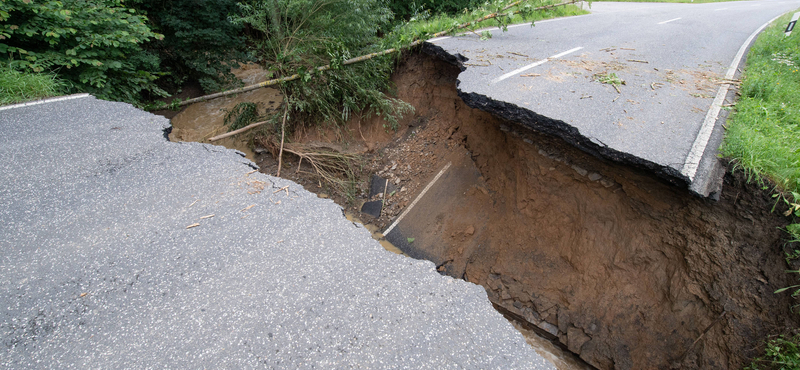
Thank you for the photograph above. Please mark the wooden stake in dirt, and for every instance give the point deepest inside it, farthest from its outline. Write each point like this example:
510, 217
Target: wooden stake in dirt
234, 132
283, 125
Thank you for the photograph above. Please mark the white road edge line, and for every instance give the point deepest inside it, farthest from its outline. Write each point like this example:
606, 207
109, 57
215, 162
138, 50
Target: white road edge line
671, 20
51, 100
402, 215
704, 135
529, 66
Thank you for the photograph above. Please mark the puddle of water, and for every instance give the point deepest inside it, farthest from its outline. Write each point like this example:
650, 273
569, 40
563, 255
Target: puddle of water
376, 234
200, 121
561, 359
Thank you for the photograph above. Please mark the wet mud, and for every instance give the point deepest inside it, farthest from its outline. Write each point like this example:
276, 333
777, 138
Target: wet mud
199, 122
618, 265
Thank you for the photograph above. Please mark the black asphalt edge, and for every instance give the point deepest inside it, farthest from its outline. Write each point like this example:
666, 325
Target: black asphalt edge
399, 239
553, 127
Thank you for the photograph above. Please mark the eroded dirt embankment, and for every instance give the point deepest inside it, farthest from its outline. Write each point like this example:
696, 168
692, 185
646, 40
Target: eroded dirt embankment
624, 269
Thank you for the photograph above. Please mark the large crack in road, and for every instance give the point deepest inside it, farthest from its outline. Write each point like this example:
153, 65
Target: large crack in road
621, 267
611, 259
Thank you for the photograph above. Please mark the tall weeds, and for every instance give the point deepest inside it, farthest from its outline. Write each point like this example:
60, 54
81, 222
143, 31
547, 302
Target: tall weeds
296, 36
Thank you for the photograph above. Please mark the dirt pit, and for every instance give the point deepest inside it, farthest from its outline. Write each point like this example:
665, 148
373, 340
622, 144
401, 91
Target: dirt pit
611, 263
624, 270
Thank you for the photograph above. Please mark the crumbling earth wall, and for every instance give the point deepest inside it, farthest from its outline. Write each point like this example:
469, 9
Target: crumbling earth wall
624, 269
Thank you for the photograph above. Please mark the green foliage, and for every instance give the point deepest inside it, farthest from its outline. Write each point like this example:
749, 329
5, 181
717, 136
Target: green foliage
781, 353
17, 86
422, 25
405, 10
95, 44
241, 115
297, 36
762, 134
201, 43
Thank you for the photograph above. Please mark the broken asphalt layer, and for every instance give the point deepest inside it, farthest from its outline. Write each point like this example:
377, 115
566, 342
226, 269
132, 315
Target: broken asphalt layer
677, 61
123, 250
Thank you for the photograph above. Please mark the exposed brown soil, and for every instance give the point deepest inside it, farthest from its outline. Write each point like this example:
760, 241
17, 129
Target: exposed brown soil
625, 270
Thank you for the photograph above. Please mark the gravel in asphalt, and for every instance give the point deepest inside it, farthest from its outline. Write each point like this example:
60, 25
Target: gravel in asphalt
123, 250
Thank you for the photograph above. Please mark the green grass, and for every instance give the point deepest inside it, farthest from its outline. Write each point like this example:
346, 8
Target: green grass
782, 353
18, 87
763, 140
423, 24
763, 134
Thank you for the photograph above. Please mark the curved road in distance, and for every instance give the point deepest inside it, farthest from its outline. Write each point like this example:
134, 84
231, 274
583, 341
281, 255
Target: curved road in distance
673, 58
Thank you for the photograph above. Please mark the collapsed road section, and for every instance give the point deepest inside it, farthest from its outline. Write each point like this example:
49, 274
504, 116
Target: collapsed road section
617, 264
123, 250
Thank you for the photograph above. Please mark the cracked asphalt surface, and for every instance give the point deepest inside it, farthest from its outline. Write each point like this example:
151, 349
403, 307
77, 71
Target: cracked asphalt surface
99, 267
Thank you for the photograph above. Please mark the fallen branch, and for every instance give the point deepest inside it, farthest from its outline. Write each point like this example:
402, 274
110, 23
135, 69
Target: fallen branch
366, 57
234, 132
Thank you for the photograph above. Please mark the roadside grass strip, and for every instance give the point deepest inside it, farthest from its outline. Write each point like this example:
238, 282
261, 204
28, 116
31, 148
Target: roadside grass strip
763, 139
763, 133
18, 87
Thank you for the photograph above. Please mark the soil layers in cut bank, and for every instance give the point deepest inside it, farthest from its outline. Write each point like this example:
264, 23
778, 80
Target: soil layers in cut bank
619, 266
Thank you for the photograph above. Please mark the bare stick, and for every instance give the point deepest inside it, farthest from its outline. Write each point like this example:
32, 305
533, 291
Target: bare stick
234, 132
702, 334
299, 163
283, 124
385, 188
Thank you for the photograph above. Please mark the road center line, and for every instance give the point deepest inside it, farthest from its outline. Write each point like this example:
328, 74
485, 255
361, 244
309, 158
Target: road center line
529, 66
671, 20
716, 10
704, 135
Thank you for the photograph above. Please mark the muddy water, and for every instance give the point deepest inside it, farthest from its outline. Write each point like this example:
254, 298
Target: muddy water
563, 360
376, 234
201, 121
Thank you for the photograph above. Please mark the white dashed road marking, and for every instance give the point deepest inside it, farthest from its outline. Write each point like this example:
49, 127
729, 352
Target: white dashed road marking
671, 20
529, 66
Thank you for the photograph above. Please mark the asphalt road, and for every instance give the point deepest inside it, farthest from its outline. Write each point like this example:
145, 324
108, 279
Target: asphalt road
673, 59
123, 250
